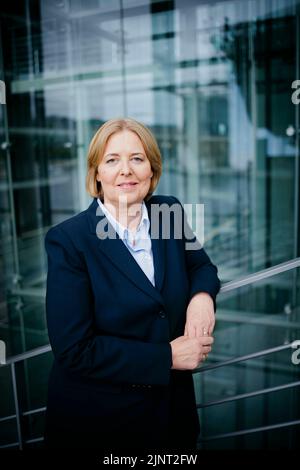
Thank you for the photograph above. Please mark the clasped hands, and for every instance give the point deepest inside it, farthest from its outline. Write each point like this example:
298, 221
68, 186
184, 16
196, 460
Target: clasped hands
189, 350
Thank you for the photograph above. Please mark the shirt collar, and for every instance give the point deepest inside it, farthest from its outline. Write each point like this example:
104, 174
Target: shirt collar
122, 231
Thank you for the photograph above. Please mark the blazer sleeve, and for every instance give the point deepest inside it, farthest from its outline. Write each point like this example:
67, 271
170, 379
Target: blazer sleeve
202, 272
73, 337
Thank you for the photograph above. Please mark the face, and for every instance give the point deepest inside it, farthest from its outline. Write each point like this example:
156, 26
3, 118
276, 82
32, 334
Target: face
125, 171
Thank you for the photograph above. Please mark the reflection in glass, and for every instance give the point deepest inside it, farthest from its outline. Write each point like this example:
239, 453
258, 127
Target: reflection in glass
213, 82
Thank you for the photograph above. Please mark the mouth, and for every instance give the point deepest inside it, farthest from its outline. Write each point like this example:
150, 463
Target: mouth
127, 185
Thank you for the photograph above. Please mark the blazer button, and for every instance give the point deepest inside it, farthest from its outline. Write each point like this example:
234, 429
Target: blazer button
162, 314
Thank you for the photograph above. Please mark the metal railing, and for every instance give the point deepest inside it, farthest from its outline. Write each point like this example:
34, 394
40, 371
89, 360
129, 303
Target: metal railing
232, 285
249, 394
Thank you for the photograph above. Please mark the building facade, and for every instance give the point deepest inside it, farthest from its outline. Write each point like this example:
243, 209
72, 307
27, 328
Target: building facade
217, 84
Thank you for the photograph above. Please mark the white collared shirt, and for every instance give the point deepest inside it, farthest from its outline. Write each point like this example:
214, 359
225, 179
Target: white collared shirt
138, 243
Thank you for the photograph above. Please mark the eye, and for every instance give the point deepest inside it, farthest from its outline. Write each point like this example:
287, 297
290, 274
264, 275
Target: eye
139, 159
110, 160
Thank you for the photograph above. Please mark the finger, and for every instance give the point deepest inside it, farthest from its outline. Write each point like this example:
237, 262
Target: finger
191, 330
199, 330
205, 331
206, 340
203, 358
211, 328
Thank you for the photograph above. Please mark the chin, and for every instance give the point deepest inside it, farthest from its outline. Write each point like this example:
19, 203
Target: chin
131, 199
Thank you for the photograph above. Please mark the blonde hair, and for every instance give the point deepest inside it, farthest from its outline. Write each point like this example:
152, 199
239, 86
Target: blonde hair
98, 144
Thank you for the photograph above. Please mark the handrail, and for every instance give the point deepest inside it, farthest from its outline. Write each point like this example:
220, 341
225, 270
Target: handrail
232, 285
241, 396
8, 446
42, 350
35, 411
28, 355
250, 431
263, 274
7, 418
264, 352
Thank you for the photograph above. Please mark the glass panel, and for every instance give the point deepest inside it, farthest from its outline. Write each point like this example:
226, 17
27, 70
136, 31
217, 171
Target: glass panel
7, 407
254, 318
211, 79
27, 322
250, 413
32, 376
8, 433
34, 426
32, 380
259, 316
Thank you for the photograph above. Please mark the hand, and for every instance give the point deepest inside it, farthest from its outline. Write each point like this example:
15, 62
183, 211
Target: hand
188, 353
200, 316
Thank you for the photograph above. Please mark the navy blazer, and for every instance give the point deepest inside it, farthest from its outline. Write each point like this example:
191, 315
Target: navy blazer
108, 326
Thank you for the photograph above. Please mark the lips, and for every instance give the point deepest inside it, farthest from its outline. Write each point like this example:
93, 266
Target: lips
127, 185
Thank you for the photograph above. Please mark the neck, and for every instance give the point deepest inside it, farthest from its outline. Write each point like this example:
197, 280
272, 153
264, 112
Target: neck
128, 215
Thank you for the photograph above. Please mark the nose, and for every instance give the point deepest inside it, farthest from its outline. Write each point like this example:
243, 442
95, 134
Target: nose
125, 167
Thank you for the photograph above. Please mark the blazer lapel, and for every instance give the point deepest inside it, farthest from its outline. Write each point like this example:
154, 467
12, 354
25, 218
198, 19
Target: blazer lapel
115, 250
158, 250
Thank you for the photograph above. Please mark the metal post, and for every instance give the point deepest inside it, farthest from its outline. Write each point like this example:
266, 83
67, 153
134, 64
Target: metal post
16, 401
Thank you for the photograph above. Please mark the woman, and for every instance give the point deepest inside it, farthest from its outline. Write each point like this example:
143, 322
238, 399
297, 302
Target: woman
130, 313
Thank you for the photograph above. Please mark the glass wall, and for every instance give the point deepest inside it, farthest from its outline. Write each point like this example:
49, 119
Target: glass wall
251, 319
211, 79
